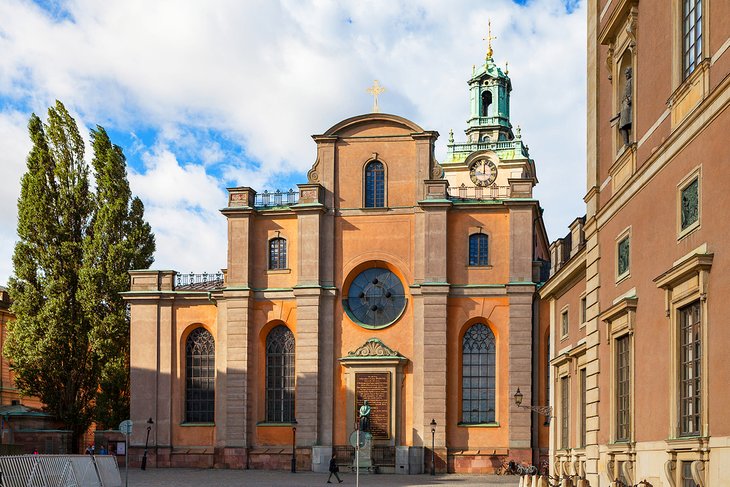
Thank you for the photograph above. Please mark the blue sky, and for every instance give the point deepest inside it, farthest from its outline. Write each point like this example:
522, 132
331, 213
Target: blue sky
201, 97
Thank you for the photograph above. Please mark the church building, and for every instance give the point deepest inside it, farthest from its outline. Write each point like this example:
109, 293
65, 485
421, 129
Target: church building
388, 276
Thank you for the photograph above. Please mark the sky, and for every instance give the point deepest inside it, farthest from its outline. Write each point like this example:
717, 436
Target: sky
203, 96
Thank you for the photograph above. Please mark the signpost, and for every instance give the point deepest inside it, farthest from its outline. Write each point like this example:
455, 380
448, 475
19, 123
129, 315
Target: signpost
126, 428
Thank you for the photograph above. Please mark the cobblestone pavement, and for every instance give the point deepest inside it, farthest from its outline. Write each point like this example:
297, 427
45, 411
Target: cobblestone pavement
187, 477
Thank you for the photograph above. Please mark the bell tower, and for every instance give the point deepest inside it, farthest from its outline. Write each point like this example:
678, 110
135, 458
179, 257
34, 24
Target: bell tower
489, 90
493, 158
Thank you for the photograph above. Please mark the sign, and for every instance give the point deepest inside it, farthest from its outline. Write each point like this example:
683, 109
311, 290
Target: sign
126, 427
375, 388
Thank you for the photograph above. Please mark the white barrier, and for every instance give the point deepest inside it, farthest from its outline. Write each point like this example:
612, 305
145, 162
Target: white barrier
59, 471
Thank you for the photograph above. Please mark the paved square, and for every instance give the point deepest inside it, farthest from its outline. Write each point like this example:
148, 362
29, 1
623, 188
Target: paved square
185, 477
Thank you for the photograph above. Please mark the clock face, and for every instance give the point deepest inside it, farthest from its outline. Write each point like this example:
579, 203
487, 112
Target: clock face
483, 172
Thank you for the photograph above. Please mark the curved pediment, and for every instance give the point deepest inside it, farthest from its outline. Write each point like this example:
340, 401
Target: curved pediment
374, 124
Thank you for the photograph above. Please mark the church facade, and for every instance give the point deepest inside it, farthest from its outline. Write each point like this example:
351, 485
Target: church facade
388, 277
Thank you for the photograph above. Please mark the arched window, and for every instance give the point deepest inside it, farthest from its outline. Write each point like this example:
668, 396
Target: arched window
280, 375
478, 249
478, 375
200, 377
486, 103
277, 253
375, 185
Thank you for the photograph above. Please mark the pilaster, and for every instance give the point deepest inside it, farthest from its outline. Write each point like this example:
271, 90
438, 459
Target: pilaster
520, 364
306, 365
233, 421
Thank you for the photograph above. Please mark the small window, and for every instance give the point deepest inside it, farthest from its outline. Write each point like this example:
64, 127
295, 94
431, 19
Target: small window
691, 36
583, 404
690, 204
478, 249
623, 389
583, 309
486, 103
564, 323
277, 253
690, 343
622, 265
687, 479
564, 413
547, 376
375, 185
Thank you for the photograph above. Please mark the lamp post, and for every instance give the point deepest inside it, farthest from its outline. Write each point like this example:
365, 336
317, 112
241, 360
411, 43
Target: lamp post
546, 411
294, 447
146, 442
433, 446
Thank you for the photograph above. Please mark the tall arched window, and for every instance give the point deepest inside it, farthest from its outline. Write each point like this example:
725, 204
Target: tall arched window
277, 253
280, 375
375, 185
200, 377
486, 103
478, 375
478, 249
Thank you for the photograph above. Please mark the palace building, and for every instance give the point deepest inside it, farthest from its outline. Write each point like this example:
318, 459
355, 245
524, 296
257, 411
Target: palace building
389, 277
636, 298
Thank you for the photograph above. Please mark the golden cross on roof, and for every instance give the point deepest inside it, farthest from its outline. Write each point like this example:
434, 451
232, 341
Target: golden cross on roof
375, 90
489, 39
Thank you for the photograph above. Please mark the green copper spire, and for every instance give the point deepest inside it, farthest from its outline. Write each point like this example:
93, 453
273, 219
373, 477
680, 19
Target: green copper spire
489, 91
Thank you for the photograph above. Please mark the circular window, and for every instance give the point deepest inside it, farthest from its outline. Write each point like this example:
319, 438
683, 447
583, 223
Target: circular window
375, 298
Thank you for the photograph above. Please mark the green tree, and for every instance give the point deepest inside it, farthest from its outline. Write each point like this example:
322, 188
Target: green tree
69, 341
118, 239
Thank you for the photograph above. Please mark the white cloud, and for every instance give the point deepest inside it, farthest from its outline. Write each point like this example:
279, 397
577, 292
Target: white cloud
269, 74
15, 146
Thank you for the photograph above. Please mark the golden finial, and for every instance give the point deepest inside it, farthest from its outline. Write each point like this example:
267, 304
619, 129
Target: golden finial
375, 90
489, 39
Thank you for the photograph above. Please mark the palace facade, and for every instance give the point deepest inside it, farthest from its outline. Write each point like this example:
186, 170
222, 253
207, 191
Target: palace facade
636, 298
387, 277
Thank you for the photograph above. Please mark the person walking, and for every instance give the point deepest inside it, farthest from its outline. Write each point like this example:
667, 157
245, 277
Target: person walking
334, 468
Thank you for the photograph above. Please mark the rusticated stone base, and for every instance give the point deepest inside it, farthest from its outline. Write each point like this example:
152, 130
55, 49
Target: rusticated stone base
483, 462
277, 458
233, 458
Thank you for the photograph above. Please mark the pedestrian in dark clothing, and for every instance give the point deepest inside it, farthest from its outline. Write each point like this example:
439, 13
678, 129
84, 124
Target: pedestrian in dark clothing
334, 468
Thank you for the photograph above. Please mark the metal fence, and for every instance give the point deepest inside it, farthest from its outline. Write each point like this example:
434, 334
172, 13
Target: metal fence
276, 198
59, 471
492, 192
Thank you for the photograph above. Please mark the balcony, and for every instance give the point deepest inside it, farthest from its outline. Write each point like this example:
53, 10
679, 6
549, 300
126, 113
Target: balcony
492, 192
198, 282
276, 198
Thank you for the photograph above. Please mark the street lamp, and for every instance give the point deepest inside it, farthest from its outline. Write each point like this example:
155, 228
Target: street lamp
433, 446
146, 442
294, 447
546, 411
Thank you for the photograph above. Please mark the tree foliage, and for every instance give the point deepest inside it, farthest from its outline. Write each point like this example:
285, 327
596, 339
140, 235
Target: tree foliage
69, 342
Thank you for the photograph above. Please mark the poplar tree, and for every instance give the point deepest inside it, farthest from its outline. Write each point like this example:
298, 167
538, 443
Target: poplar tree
118, 239
69, 342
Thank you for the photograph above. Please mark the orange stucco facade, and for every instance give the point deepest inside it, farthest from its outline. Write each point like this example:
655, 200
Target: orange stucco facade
418, 234
649, 258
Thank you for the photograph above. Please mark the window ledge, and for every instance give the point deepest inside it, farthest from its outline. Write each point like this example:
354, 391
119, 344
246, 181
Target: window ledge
622, 277
184, 424
688, 443
477, 425
690, 229
275, 424
374, 208
479, 267
278, 271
